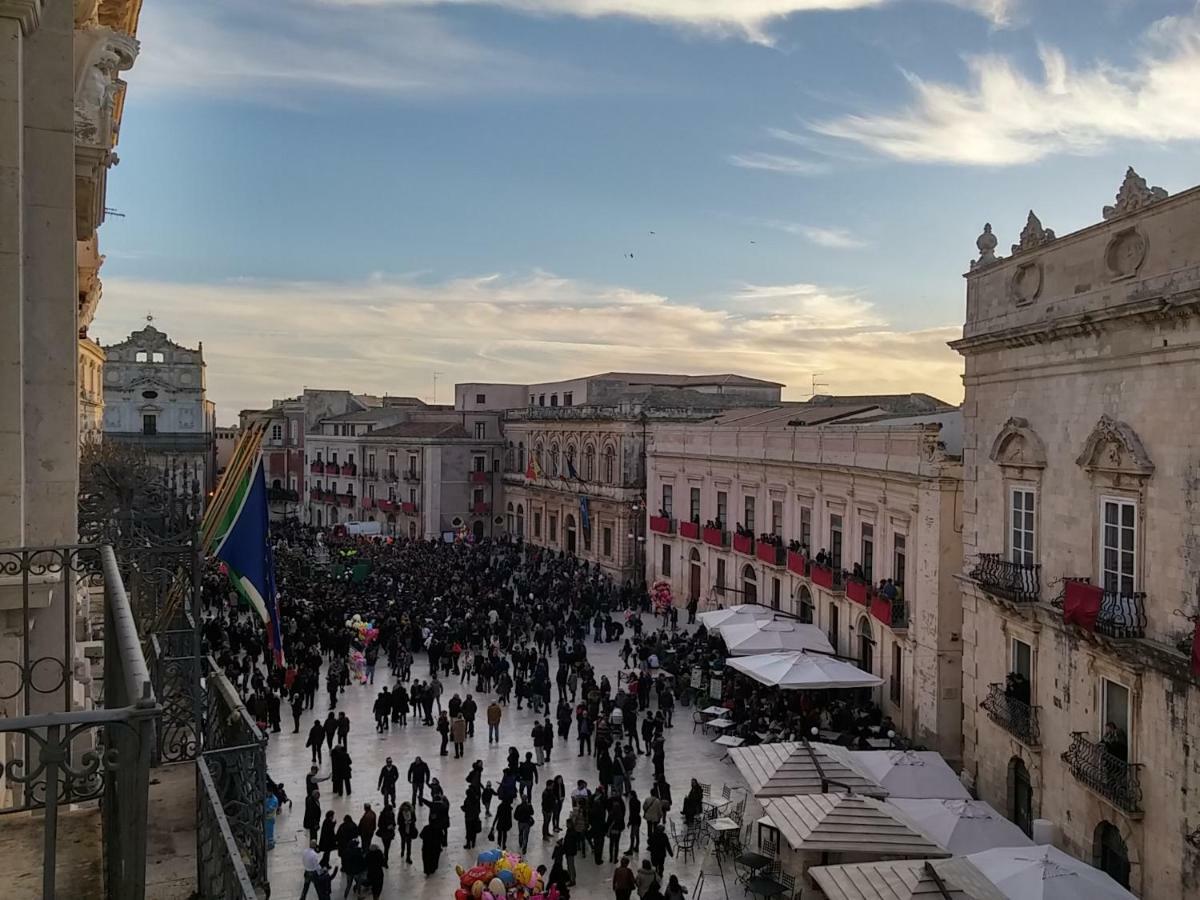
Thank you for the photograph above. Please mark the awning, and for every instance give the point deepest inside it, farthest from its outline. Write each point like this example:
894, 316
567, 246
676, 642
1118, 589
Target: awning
846, 823
743, 612
791, 767
915, 774
746, 638
905, 879
1045, 873
797, 671
961, 826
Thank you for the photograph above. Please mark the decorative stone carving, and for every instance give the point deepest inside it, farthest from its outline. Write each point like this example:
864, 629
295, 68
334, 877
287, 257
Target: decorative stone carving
27, 12
101, 54
1125, 252
87, 13
1026, 282
1033, 235
1134, 195
1018, 446
1114, 448
986, 243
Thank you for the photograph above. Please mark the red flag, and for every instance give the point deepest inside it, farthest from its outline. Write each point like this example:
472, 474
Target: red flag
1081, 604
530, 474
1196, 649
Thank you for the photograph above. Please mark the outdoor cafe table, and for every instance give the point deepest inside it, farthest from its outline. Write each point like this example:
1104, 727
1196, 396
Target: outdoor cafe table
753, 861
720, 724
723, 829
764, 887
714, 711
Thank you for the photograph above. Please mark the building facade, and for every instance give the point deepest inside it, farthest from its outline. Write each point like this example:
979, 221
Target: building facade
156, 399
418, 472
91, 390
881, 494
1080, 517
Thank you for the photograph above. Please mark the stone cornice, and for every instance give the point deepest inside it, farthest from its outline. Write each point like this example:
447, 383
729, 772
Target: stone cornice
1088, 323
27, 12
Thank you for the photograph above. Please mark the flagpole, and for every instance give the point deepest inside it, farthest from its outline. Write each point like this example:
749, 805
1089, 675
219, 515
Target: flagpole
244, 456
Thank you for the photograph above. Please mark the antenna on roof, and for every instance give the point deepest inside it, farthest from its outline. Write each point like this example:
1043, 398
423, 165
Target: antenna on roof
435, 378
817, 384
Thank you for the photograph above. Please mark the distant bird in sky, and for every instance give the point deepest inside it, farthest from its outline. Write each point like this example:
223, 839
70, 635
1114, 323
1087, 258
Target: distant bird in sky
652, 232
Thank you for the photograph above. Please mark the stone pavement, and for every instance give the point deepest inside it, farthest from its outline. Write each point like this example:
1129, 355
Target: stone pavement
687, 756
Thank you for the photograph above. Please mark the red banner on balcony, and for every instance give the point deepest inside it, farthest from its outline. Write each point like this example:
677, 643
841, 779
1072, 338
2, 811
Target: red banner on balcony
769, 553
743, 543
822, 576
1081, 604
714, 536
690, 530
858, 591
479, 477
881, 608
409, 508
796, 562
368, 502
660, 524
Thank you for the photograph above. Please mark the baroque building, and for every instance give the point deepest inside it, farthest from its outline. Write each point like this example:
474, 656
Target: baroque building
1080, 516
156, 399
742, 505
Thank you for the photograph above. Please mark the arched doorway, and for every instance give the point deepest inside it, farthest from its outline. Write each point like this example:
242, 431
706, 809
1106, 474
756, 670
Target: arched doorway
749, 585
512, 521
412, 531
1109, 853
520, 520
1020, 795
333, 516
804, 605
866, 646
694, 576
569, 533
477, 530
276, 485
391, 524
318, 515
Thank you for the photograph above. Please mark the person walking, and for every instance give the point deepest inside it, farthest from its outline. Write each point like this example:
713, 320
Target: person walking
524, 817
311, 862
328, 842
374, 874
382, 708
494, 713
583, 728
646, 878
624, 882
431, 848
316, 740
366, 825
343, 728
406, 829
443, 728
388, 776
330, 726
560, 798
472, 821
297, 705
616, 825
458, 734
652, 812
386, 829
635, 824
312, 814
527, 776
502, 824
340, 765
470, 709
536, 736
660, 848
418, 776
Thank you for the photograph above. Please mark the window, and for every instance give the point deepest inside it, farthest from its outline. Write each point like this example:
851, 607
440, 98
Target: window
868, 551
541, 399
665, 568
479, 463
480, 399
554, 460
521, 456
720, 577
722, 509
480, 431
748, 518
333, 459
392, 464
899, 560
531, 400
694, 504
1109, 853
1022, 660
833, 626
371, 491
894, 687
1021, 531
1118, 546
806, 526
589, 462
610, 465
668, 498
775, 593
1114, 710
157, 357
392, 494
777, 518
537, 523
749, 584
553, 528
568, 399
835, 542
141, 356
804, 598
554, 399
572, 472
521, 519
149, 424
412, 495
607, 541
477, 497
371, 463
412, 464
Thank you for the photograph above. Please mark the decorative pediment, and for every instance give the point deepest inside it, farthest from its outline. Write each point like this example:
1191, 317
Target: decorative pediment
1018, 446
986, 245
1114, 447
1133, 195
1033, 235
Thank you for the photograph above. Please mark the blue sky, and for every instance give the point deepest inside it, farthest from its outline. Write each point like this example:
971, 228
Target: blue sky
359, 193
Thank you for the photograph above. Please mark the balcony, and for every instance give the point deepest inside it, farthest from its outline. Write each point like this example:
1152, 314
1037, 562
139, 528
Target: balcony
826, 577
368, 502
660, 524
282, 495
1015, 716
893, 613
1009, 580
478, 477
797, 563
481, 509
317, 468
1114, 779
743, 543
349, 469
370, 475
690, 530
771, 554
412, 477
391, 475
409, 508
386, 506
714, 537
859, 590
346, 500
1111, 613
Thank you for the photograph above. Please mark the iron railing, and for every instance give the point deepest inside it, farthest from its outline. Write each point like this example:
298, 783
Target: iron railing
221, 871
1015, 716
58, 753
1122, 615
1113, 778
1011, 580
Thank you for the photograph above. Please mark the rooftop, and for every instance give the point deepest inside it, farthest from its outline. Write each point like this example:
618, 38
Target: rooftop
635, 378
423, 430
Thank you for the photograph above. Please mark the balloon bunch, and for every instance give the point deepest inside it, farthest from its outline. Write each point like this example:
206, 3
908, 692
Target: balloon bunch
501, 875
366, 631
661, 596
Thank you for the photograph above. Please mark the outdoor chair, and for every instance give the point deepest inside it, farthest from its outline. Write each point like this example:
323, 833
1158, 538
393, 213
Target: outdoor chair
705, 790
698, 721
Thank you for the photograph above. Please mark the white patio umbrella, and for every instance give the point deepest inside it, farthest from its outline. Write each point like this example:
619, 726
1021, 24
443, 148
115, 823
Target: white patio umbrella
1045, 873
743, 639
915, 774
962, 826
799, 671
742, 612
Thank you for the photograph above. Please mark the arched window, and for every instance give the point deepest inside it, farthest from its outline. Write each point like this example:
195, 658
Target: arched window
610, 465
554, 460
520, 520
1109, 853
412, 530
571, 470
569, 533
749, 585
1020, 795
521, 456
539, 457
511, 519
804, 605
589, 463
510, 457
866, 645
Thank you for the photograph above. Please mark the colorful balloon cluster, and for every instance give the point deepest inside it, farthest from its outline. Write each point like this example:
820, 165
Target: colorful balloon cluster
661, 595
366, 631
501, 875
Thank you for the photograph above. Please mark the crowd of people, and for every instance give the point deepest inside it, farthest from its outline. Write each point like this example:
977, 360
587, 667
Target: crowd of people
459, 633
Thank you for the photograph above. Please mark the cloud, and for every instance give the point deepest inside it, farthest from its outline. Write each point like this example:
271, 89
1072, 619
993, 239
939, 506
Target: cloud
268, 339
830, 237
1002, 117
773, 162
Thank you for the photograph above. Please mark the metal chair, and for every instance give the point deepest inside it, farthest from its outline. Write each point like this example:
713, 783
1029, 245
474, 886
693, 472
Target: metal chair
726, 792
705, 790
698, 721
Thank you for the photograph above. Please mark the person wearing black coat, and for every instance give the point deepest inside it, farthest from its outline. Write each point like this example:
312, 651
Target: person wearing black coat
502, 824
328, 842
598, 826
312, 814
330, 729
693, 803
660, 848
316, 740
347, 833
431, 848
340, 766
375, 864
297, 704
471, 818
385, 829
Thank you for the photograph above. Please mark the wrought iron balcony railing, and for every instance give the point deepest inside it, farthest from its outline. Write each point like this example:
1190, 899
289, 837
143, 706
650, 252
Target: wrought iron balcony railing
1122, 615
1011, 580
1113, 778
1015, 716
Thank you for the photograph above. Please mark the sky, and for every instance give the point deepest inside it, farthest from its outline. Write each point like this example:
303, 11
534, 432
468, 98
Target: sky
363, 193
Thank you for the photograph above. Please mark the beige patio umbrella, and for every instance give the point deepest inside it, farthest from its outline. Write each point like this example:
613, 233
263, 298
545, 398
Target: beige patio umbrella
905, 879
788, 768
847, 823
